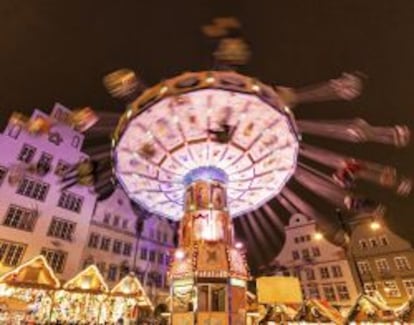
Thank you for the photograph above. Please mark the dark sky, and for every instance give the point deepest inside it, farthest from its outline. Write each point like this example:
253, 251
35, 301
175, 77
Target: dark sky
54, 52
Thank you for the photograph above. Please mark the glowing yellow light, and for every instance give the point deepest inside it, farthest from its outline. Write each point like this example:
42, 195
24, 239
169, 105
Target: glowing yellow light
318, 236
179, 254
163, 90
375, 225
255, 88
129, 113
210, 80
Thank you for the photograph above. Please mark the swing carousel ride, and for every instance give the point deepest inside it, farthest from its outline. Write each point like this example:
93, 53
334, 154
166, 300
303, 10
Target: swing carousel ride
205, 147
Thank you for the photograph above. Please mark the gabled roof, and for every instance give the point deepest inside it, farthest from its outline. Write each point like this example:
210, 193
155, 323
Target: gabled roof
370, 308
35, 273
131, 287
90, 280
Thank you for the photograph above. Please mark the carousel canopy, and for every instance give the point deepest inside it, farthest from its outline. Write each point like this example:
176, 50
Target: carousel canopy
35, 273
131, 287
176, 131
89, 280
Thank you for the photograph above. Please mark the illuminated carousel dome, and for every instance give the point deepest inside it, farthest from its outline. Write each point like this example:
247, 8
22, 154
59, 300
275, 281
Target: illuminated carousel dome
173, 134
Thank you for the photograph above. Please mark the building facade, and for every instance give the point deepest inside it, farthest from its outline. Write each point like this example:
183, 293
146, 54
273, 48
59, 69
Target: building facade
70, 227
385, 260
322, 268
113, 245
36, 217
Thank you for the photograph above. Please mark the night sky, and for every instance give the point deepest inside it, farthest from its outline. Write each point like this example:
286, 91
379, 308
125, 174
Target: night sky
53, 52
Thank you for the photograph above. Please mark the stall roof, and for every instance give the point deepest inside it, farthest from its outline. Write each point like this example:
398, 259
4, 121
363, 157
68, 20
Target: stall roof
90, 280
130, 286
35, 273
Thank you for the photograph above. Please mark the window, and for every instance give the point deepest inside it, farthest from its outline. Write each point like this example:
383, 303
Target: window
107, 217
124, 224
363, 244
144, 253
402, 263
364, 267
313, 291
203, 298
115, 222
116, 248
158, 235
20, 218
373, 242
409, 286
329, 293
112, 272
324, 272
164, 238
61, 228
391, 289
167, 259
370, 288
160, 258
127, 249
295, 255
105, 243
305, 254
310, 274
55, 258
3, 172
26, 154
70, 201
43, 165
151, 234
383, 241
296, 240
336, 271
101, 267
308, 237
93, 240
152, 256
316, 251
343, 293
382, 265
218, 298
157, 279
14, 130
75, 141
34, 189
61, 168
11, 253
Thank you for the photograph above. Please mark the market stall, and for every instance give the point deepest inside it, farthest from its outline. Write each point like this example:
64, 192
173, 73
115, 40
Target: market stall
27, 292
82, 299
128, 301
405, 313
371, 309
318, 311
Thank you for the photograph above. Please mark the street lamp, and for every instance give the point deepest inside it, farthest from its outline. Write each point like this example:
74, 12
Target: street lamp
318, 235
375, 225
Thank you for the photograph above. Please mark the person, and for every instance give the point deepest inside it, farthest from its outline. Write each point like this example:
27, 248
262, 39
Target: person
223, 134
346, 176
360, 204
84, 173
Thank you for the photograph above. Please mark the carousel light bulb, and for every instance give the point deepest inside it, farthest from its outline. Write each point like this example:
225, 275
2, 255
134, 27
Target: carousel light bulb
239, 245
163, 90
179, 254
255, 88
129, 113
210, 80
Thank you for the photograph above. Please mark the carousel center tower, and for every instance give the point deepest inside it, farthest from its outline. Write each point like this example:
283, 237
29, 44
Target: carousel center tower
202, 148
